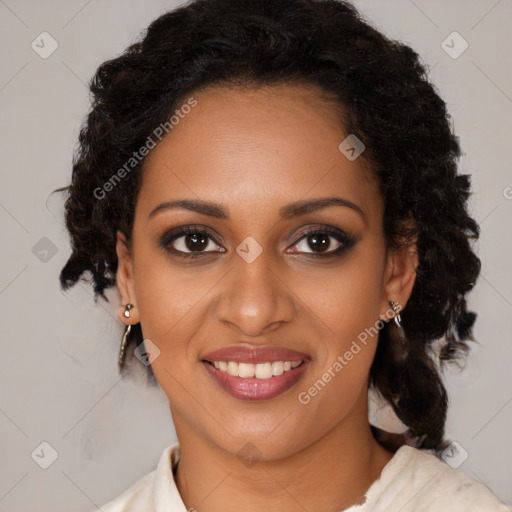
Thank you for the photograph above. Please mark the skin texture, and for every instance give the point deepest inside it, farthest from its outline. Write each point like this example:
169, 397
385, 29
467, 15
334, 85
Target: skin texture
254, 151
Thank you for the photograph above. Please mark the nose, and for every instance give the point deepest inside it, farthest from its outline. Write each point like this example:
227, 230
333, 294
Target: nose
254, 299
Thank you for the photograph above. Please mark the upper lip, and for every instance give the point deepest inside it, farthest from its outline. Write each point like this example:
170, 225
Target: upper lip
254, 355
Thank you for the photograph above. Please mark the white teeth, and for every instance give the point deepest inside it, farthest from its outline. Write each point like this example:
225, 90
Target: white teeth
259, 370
233, 368
263, 371
277, 368
245, 370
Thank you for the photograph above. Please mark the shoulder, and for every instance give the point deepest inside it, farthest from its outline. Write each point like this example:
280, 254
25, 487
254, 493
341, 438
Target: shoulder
141, 495
416, 480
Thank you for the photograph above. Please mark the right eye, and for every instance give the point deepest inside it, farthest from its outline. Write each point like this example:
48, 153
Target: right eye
190, 242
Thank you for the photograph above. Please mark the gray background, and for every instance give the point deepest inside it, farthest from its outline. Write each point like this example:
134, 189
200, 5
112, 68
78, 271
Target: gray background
58, 378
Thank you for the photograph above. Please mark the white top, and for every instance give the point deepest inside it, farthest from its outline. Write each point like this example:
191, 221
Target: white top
412, 481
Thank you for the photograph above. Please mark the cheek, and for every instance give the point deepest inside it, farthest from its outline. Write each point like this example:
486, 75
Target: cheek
168, 298
347, 297
337, 384
347, 302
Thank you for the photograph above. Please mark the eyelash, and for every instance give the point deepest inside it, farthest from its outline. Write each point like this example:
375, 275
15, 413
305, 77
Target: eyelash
345, 240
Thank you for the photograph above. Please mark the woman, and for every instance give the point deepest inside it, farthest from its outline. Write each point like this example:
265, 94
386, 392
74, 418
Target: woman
273, 188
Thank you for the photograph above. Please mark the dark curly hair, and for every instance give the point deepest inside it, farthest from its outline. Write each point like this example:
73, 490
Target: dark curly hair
387, 101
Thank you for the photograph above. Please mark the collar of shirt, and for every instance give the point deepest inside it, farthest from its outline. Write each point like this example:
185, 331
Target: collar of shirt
413, 480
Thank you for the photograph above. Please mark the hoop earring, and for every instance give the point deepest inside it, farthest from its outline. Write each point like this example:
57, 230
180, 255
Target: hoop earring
396, 309
122, 350
399, 345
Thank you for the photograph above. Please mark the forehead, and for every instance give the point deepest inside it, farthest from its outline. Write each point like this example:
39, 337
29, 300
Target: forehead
249, 148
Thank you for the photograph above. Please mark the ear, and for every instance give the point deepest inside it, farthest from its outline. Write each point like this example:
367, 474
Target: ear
399, 276
125, 282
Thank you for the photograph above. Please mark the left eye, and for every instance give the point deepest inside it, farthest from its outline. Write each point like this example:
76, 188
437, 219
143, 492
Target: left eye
320, 242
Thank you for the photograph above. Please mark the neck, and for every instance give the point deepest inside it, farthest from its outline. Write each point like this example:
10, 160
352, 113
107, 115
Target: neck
332, 473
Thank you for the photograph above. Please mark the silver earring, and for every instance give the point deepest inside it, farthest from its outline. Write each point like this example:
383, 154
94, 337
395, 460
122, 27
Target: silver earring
399, 344
122, 350
396, 309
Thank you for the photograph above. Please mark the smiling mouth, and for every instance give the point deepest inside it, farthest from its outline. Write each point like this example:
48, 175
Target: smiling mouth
256, 382
265, 370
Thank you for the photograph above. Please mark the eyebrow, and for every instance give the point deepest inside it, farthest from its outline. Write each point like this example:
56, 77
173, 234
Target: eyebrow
289, 211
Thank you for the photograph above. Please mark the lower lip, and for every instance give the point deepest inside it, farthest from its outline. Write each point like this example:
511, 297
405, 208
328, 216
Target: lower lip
257, 389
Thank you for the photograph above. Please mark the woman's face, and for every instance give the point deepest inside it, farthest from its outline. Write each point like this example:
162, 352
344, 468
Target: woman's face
273, 277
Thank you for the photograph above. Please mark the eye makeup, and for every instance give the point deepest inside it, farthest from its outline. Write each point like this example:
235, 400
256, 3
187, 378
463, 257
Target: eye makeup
199, 235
